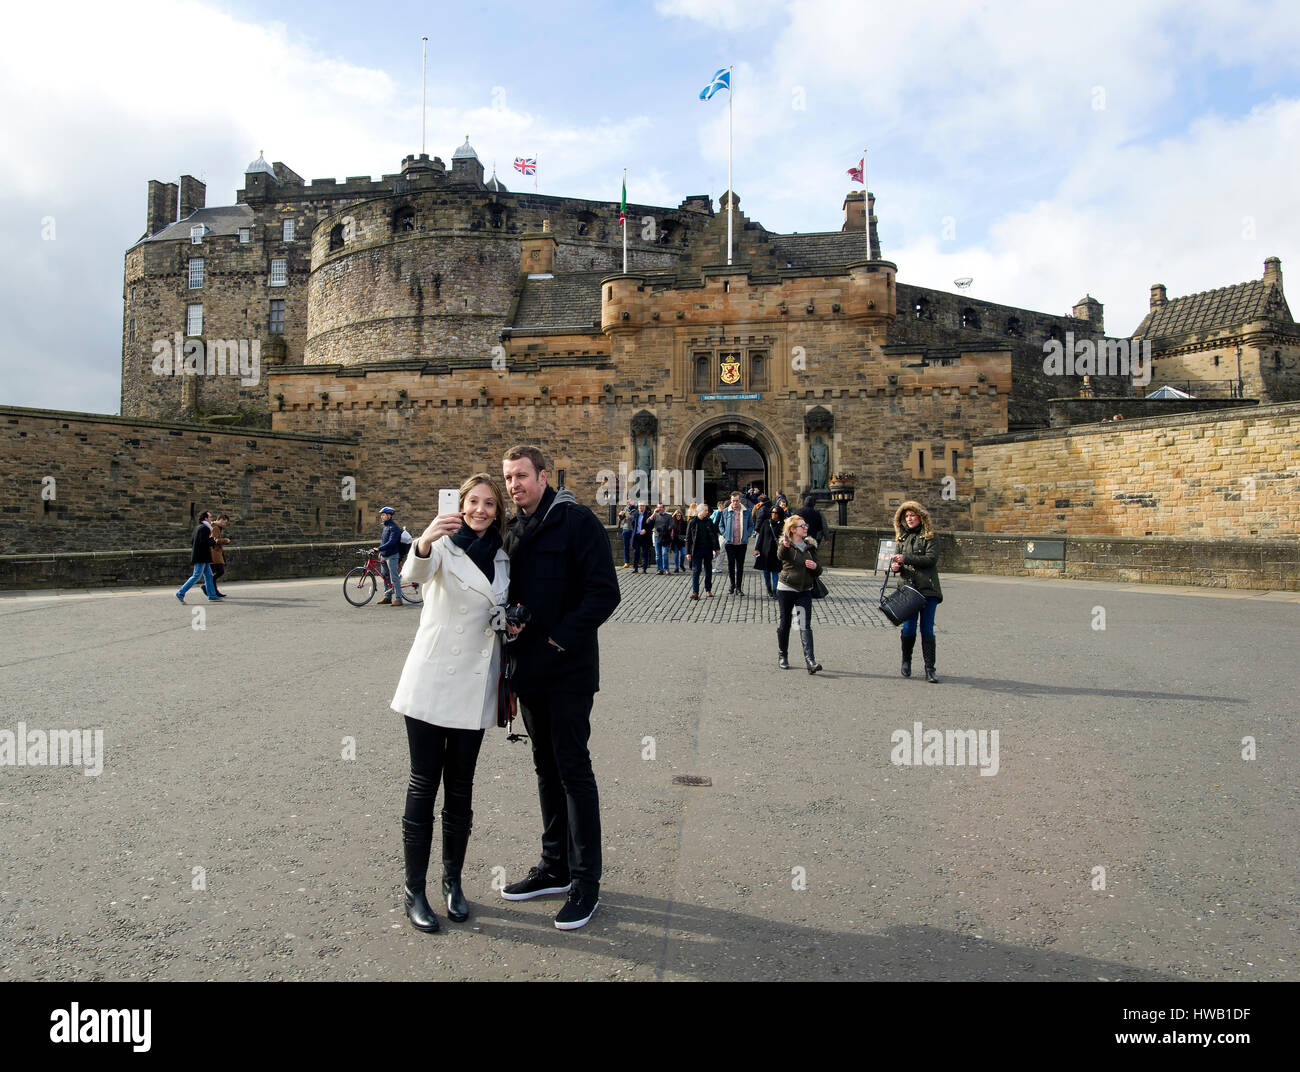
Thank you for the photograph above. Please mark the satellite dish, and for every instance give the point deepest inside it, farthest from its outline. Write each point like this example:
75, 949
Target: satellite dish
964, 282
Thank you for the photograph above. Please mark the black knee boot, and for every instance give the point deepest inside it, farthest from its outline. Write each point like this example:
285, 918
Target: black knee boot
455, 839
805, 637
927, 649
416, 841
783, 647
909, 642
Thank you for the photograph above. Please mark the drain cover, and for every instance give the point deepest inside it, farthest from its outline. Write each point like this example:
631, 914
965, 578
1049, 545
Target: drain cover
692, 779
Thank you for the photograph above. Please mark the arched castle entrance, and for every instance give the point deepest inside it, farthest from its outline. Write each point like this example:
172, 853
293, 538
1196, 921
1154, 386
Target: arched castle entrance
734, 431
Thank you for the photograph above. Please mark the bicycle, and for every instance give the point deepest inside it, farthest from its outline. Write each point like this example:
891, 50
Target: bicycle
359, 585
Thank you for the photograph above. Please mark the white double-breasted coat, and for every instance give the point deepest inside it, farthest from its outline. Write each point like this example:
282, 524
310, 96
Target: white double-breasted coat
450, 677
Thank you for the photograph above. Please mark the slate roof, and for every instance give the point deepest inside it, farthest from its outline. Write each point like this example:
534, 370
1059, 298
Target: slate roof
819, 250
569, 301
225, 220
1211, 309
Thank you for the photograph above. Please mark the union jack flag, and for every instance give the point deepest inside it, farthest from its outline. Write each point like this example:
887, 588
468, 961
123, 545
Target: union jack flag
526, 165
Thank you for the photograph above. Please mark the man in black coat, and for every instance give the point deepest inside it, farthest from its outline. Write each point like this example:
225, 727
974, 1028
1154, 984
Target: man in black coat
816, 523
201, 561
561, 569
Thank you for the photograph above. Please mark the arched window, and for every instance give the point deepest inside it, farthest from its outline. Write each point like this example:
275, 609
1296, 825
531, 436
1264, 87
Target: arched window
921, 309
336, 237
404, 220
1013, 327
970, 319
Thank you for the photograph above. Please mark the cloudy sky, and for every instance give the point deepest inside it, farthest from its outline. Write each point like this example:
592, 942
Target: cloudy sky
1045, 149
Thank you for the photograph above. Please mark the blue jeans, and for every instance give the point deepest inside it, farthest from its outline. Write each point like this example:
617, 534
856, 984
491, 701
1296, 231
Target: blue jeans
770, 577
661, 556
394, 565
680, 557
202, 571
926, 617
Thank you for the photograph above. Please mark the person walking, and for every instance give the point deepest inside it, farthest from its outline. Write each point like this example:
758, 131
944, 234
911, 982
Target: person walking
917, 561
448, 688
797, 552
390, 552
736, 529
561, 569
641, 538
627, 523
201, 560
701, 546
769, 533
219, 541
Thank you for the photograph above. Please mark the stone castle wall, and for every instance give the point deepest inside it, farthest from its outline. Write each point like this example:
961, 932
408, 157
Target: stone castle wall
1208, 475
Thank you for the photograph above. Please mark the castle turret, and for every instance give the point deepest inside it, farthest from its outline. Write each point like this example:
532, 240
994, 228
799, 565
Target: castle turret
466, 166
1090, 309
537, 251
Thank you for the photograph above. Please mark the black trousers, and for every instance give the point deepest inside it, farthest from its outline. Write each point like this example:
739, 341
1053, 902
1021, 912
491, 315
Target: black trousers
559, 726
441, 755
785, 603
736, 563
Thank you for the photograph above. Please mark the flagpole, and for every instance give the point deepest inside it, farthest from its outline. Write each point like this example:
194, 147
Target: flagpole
731, 97
537, 160
625, 221
866, 201
424, 88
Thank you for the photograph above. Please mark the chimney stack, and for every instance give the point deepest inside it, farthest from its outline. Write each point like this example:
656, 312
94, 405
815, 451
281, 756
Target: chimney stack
193, 195
1273, 271
1158, 296
161, 206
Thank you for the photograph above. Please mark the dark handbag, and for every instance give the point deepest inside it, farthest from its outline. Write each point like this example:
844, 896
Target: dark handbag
818, 589
902, 603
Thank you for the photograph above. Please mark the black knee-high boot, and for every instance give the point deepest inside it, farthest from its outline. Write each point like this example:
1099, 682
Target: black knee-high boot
455, 840
927, 649
909, 643
416, 841
806, 638
783, 645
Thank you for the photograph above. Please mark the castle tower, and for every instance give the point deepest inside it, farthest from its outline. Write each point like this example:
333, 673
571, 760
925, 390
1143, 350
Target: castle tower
466, 166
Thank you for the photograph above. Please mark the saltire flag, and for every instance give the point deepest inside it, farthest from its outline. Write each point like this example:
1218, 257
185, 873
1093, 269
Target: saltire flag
622, 208
526, 165
721, 80
855, 173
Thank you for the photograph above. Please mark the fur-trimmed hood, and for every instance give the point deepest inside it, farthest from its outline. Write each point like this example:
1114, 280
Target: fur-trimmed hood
927, 528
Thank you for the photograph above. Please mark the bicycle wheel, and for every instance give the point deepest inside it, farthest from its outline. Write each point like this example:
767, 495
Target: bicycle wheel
411, 593
359, 586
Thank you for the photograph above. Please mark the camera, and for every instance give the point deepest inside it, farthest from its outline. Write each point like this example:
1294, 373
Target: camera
518, 615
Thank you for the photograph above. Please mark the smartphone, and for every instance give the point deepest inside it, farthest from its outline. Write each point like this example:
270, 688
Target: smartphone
448, 501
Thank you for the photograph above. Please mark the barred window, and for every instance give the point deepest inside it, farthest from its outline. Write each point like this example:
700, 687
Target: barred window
279, 273
194, 320
196, 234
196, 273
276, 324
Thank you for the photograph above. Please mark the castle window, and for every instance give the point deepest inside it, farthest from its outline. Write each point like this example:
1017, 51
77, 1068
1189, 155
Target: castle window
279, 273
921, 310
276, 324
757, 370
582, 227
1216, 360
245, 235
336, 237
194, 320
701, 381
196, 273
920, 457
130, 330
404, 220
1013, 327
196, 234
1277, 360
287, 230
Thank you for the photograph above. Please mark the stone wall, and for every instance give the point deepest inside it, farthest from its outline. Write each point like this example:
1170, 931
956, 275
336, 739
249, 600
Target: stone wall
1220, 474
86, 482
1069, 411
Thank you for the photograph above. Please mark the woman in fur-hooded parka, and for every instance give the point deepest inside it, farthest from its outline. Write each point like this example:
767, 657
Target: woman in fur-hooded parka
916, 560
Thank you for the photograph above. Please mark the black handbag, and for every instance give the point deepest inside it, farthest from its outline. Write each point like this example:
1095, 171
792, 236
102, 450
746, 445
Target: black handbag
902, 603
818, 589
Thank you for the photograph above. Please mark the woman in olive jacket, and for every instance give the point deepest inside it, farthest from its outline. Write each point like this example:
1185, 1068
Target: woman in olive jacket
917, 560
797, 553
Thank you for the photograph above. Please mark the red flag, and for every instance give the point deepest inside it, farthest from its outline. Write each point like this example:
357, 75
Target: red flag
855, 173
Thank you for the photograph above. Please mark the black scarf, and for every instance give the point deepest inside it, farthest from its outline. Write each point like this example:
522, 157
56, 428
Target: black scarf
481, 549
523, 525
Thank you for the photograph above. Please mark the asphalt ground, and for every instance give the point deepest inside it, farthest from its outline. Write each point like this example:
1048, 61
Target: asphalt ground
227, 837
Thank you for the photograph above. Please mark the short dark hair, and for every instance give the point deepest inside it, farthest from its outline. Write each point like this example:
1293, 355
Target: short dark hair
533, 454
205, 515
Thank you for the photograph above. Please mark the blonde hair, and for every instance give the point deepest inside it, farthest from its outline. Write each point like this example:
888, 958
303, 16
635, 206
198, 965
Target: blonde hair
498, 493
790, 523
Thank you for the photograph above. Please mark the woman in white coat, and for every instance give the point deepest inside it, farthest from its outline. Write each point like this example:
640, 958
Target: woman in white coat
448, 688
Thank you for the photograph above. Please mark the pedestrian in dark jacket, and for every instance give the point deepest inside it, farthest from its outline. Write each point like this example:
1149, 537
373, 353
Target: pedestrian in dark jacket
663, 538
679, 541
816, 522
701, 546
768, 538
797, 552
561, 569
917, 560
201, 561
